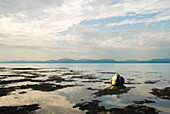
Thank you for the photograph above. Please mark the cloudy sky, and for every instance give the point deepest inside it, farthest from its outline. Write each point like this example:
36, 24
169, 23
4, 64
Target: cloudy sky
78, 29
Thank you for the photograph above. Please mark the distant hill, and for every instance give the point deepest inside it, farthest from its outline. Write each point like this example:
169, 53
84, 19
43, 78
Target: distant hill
166, 60
96, 61
64, 60
68, 60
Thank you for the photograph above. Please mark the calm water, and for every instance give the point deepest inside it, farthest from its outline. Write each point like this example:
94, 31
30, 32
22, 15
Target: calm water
62, 101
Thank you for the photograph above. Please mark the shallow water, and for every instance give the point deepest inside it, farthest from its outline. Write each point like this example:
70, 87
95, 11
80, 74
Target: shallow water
63, 100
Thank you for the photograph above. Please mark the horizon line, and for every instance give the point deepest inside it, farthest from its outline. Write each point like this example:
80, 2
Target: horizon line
70, 60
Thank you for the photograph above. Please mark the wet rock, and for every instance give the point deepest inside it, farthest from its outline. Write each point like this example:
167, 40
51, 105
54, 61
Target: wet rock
71, 73
24, 69
82, 99
11, 75
93, 107
70, 80
161, 93
112, 90
151, 82
45, 87
55, 78
2, 77
52, 78
21, 80
140, 109
22, 92
85, 77
105, 79
165, 80
59, 79
62, 68
131, 83
153, 72
139, 77
6, 91
23, 109
20, 75
33, 73
89, 88
2, 68
107, 72
135, 71
48, 71
129, 79
144, 101
41, 87
91, 81
108, 82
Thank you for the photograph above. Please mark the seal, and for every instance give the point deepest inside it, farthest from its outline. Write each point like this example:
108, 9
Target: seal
117, 80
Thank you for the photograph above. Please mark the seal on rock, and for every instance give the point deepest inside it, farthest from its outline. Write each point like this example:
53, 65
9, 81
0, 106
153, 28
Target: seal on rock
117, 80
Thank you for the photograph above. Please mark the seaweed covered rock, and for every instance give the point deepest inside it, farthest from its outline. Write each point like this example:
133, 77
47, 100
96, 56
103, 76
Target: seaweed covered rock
112, 90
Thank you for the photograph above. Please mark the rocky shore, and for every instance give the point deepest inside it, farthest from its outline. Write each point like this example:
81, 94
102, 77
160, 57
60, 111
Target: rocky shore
53, 80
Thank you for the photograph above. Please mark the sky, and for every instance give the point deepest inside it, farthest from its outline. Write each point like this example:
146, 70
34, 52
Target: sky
84, 29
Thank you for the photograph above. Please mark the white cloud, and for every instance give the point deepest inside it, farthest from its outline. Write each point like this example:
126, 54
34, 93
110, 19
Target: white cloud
86, 42
38, 24
164, 16
37, 17
136, 39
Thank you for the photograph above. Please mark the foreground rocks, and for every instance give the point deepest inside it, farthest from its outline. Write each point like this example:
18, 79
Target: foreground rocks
23, 109
93, 107
48, 80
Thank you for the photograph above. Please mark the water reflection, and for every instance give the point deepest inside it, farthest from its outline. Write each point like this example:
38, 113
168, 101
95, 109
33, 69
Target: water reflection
50, 102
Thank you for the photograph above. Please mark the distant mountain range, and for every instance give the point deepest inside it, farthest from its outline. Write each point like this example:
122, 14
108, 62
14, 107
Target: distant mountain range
67, 60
